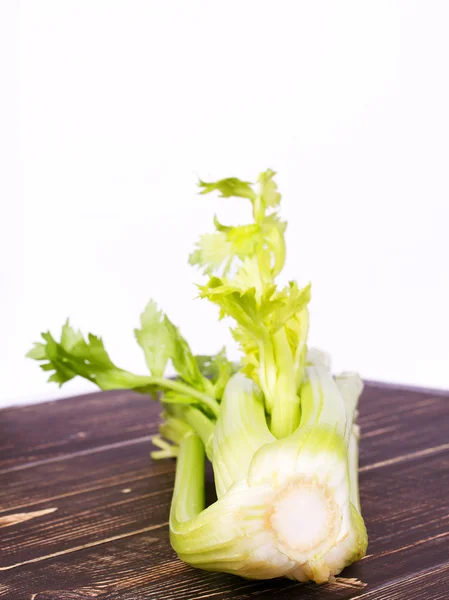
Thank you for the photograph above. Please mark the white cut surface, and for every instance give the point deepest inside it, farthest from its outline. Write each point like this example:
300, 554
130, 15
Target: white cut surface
302, 517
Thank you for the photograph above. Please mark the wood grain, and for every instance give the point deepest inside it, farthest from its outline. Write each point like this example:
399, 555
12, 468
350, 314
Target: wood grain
84, 516
144, 566
120, 466
53, 429
103, 512
395, 422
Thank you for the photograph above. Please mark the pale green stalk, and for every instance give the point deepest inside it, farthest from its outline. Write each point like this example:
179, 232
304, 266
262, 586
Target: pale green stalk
267, 372
188, 494
353, 461
170, 384
285, 411
193, 419
285, 507
240, 431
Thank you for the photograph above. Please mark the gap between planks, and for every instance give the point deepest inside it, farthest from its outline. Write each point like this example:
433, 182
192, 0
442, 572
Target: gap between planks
159, 526
113, 538
385, 385
391, 461
94, 488
405, 457
148, 438
393, 582
407, 546
87, 451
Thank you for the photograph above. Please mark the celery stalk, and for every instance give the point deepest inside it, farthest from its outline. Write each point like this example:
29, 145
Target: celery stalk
279, 429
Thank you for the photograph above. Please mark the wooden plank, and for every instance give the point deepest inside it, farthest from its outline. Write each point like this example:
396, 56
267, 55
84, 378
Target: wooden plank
402, 503
111, 504
120, 465
72, 425
143, 567
398, 510
127, 467
50, 429
372, 574
85, 518
396, 421
420, 429
431, 584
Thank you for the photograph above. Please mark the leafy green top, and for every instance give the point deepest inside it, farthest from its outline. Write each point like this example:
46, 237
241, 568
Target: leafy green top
242, 263
259, 245
271, 325
201, 379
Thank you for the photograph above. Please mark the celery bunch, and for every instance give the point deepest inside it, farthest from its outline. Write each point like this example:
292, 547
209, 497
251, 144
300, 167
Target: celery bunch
278, 428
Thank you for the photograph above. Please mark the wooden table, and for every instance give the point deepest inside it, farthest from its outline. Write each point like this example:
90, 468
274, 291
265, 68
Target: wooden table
84, 510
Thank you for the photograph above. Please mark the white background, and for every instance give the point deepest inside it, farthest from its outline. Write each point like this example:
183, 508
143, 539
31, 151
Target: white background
124, 103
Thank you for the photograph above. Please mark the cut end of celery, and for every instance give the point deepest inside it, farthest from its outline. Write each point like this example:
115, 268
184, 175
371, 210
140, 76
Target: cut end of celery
305, 516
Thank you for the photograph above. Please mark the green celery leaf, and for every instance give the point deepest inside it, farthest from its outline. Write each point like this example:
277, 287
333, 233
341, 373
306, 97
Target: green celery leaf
286, 304
262, 240
155, 338
218, 369
183, 360
230, 187
271, 198
233, 303
219, 250
162, 341
73, 356
212, 251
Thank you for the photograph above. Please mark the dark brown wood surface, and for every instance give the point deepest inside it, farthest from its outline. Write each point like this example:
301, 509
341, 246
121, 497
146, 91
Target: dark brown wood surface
84, 510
